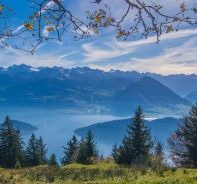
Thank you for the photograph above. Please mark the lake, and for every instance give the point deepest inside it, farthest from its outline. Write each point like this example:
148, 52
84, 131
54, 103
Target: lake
55, 127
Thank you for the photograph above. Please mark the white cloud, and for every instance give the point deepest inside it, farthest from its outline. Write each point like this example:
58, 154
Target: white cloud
113, 48
65, 55
18, 29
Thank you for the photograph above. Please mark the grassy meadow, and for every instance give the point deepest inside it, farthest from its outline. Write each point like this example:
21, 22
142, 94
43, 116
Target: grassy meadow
97, 173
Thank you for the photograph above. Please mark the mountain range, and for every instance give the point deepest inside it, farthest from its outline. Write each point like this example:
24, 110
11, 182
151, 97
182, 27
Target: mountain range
92, 90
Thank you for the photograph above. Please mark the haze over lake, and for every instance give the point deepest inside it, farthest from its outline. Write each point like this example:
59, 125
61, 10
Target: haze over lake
55, 127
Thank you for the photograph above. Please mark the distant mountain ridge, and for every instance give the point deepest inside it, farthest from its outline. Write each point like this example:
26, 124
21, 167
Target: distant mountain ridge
113, 131
86, 89
25, 128
147, 92
179, 83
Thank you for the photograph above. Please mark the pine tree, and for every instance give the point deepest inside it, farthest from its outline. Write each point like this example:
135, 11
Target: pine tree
114, 152
70, 151
137, 143
183, 143
36, 151
81, 155
32, 157
91, 146
42, 151
11, 145
53, 161
87, 149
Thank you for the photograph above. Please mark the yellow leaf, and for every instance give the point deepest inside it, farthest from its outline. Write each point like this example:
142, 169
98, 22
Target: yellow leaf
48, 22
109, 19
39, 26
119, 34
98, 19
36, 15
87, 12
96, 31
28, 26
2, 7
105, 24
50, 29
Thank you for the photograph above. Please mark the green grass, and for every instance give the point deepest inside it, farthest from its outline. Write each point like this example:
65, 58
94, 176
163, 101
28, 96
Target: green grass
97, 174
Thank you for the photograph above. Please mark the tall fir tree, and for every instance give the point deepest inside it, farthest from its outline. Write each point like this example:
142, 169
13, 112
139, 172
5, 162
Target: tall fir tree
183, 142
32, 157
42, 151
36, 151
137, 144
53, 161
114, 153
11, 145
81, 155
70, 151
87, 149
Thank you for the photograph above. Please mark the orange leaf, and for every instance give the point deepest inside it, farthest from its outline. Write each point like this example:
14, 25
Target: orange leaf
36, 15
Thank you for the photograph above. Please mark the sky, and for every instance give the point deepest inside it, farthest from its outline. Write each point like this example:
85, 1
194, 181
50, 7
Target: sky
175, 53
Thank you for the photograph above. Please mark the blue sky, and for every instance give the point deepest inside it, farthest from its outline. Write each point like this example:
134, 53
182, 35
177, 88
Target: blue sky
175, 53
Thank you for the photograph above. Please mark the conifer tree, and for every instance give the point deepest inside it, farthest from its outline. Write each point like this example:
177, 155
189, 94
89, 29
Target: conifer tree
137, 143
114, 152
87, 149
32, 157
42, 151
183, 142
81, 155
35, 151
91, 145
70, 151
53, 161
11, 145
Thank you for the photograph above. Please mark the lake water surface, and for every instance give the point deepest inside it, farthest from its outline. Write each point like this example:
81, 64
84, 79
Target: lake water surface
55, 127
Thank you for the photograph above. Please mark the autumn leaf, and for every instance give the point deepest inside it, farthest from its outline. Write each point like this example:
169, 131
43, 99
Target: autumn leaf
28, 26
2, 7
98, 19
50, 29
119, 34
96, 31
169, 29
48, 22
87, 12
105, 24
183, 7
109, 19
36, 15
63, 23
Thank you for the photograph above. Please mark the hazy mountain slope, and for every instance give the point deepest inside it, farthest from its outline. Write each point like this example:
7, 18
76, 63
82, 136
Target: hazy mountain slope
25, 128
147, 92
113, 131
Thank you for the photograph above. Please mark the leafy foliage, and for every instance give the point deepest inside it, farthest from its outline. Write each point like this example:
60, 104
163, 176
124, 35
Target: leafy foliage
145, 18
